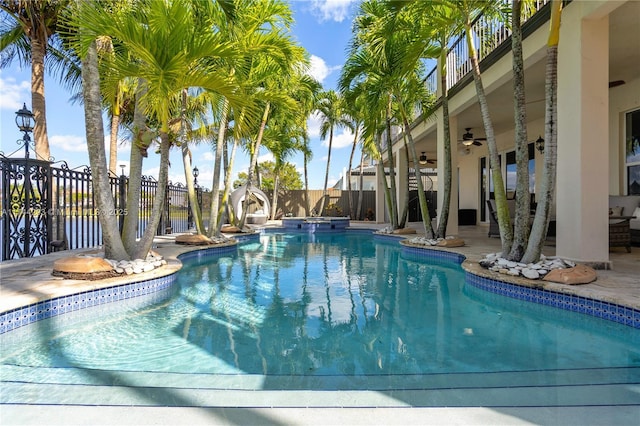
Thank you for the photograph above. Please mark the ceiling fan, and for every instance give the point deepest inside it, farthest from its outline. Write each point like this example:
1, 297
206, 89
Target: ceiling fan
468, 139
424, 160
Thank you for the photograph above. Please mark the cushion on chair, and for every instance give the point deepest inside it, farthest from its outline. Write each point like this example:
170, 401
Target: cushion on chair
616, 211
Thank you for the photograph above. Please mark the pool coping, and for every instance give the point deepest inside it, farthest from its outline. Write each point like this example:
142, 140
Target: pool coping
109, 290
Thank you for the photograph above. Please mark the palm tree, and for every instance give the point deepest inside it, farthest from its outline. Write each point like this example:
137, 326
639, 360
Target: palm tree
467, 11
28, 34
282, 139
168, 52
355, 113
523, 201
113, 246
548, 182
332, 116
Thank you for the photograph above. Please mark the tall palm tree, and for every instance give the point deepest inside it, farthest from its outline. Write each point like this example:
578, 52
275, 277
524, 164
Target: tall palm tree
29, 34
549, 166
432, 25
355, 114
282, 139
332, 116
169, 52
468, 11
523, 200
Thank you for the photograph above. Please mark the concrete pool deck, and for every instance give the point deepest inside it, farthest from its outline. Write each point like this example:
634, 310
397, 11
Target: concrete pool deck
26, 281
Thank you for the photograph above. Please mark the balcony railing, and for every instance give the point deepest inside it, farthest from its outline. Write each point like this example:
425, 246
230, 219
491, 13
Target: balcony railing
488, 34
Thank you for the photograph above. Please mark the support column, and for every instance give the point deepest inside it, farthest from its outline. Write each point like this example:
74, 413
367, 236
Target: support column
380, 216
401, 178
452, 223
583, 148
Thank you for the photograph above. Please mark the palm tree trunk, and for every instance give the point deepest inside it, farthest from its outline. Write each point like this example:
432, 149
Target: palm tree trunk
424, 205
360, 189
188, 175
216, 207
326, 175
254, 164
381, 173
191, 189
227, 177
407, 192
113, 247
276, 187
144, 245
548, 183
38, 103
443, 220
523, 200
113, 136
130, 227
348, 177
392, 171
504, 220
306, 186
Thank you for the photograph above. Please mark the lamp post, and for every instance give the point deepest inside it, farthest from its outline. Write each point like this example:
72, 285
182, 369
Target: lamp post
25, 122
196, 172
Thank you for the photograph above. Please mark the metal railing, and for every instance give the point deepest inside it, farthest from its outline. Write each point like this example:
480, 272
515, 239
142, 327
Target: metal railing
46, 208
488, 34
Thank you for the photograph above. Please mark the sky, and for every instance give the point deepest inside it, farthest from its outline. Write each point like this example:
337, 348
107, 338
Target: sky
322, 27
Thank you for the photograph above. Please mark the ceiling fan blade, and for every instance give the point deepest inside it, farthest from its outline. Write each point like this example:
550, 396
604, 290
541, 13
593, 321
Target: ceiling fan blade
480, 139
476, 142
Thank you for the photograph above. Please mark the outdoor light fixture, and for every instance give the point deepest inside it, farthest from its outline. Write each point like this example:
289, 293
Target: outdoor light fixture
122, 166
25, 122
423, 158
540, 144
196, 172
24, 119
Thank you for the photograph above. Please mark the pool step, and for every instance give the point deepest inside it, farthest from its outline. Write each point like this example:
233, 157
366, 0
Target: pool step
86, 387
50, 394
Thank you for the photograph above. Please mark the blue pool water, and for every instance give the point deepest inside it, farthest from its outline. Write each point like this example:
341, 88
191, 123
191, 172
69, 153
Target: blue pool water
320, 305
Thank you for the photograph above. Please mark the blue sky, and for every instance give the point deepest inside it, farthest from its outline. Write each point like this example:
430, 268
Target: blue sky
323, 27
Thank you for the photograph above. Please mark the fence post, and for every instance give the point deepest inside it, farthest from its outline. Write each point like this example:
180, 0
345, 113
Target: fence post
122, 194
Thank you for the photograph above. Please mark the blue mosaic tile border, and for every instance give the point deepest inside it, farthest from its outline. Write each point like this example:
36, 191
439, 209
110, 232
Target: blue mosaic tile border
359, 231
243, 238
597, 308
433, 254
387, 237
197, 254
19, 317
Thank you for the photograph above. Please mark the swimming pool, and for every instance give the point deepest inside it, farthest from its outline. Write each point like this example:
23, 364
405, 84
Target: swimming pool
321, 312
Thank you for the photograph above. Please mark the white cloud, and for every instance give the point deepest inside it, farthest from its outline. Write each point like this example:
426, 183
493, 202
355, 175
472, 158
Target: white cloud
208, 156
342, 139
313, 125
319, 68
331, 10
14, 93
71, 143
266, 157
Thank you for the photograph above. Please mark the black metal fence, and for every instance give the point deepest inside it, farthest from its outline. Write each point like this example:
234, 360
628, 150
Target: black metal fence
47, 208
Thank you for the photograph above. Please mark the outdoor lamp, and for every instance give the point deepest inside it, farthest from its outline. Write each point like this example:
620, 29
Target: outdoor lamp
24, 119
196, 172
423, 158
25, 122
540, 144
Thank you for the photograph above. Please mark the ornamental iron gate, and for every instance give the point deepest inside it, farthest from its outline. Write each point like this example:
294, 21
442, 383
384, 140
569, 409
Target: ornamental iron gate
26, 203
46, 208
